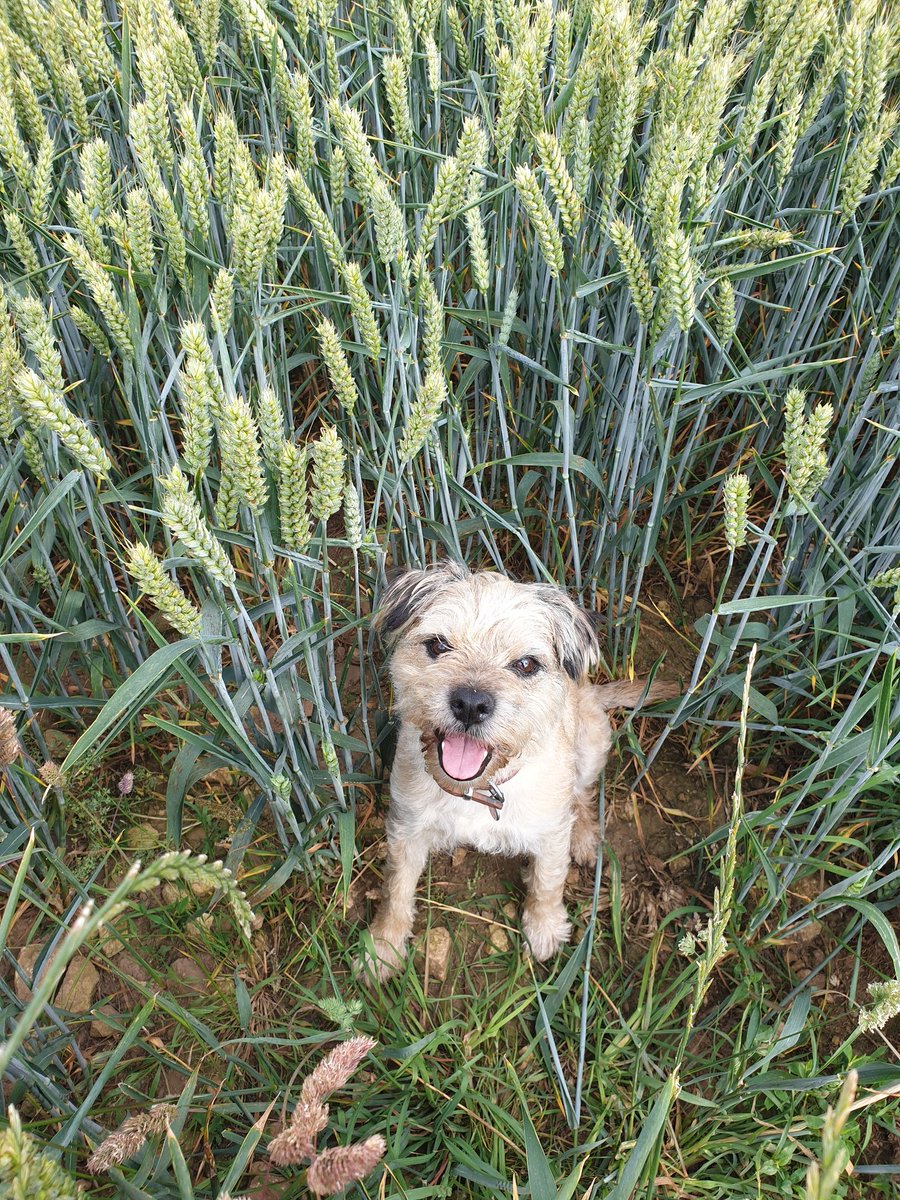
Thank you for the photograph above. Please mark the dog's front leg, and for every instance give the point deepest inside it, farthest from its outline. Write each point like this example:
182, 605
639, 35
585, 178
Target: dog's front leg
406, 859
544, 920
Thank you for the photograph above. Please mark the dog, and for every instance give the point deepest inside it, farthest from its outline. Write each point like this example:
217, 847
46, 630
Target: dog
501, 741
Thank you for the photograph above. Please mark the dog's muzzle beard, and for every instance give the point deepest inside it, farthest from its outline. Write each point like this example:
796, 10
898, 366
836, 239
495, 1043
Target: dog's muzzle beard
458, 752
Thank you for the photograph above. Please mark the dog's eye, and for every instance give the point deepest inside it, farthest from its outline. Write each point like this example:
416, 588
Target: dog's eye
526, 666
437, 646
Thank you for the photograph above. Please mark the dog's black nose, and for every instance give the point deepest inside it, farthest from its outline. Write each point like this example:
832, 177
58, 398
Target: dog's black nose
470, 707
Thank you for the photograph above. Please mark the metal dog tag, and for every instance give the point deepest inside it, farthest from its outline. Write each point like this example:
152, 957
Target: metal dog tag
494, 799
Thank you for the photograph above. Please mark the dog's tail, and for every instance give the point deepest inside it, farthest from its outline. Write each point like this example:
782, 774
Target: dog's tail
623, 693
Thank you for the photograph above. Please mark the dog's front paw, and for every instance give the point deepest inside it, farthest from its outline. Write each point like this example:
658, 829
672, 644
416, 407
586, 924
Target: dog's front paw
545, 932
381, 956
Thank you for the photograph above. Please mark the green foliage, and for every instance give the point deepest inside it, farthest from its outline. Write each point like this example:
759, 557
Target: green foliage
293, 291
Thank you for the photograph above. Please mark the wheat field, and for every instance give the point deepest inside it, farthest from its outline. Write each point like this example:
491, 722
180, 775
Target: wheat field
594, 292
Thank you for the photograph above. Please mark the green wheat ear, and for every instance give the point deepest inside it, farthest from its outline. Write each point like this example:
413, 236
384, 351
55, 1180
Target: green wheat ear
424, 413
182, 515
338, 366
143, 565
327, 475
47, 410
736, 500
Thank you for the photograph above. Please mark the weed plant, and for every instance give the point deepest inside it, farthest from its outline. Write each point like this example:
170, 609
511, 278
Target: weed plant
591, 292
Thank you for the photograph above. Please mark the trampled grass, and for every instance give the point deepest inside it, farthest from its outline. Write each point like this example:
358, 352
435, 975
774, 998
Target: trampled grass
294, 292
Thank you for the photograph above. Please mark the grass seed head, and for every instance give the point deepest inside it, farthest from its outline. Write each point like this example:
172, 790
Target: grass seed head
336, 1068
884, 1006
130, 1137
10, 748
340, 1166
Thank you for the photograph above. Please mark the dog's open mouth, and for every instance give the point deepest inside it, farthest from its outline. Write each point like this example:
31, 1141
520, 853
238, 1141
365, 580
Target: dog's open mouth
461, 757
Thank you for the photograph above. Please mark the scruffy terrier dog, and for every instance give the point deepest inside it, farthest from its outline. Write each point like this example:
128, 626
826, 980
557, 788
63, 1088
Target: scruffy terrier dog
501, 743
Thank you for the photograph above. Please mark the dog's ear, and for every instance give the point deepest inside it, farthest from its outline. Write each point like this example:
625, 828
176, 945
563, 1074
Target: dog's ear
574, 635
409, 592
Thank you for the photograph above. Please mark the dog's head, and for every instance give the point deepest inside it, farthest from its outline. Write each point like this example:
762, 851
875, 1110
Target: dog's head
482, 666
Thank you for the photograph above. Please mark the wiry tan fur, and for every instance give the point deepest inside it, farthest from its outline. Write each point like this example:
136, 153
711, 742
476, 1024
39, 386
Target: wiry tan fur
552, 727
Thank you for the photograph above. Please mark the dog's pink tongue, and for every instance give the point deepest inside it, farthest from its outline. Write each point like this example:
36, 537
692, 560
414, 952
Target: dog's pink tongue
461, 756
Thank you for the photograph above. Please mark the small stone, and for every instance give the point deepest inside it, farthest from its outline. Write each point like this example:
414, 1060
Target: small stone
141, 837
59, 743
195, 837
131, 968
459, 856
510, 911
101, 1028
76, 993
109, 944
171, 893
190, 977
28, 956
496, 934
437, 952
199, 927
